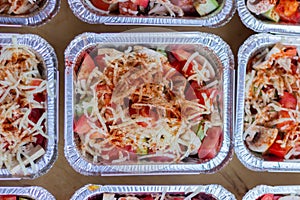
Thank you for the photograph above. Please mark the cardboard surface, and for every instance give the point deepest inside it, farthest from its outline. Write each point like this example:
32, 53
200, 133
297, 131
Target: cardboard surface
62, 181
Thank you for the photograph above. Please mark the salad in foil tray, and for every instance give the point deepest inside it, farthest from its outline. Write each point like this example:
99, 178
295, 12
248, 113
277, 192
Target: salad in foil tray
270, 196
23, 115
141, 104
18, 7
153, 196
272, 103
173, 8
276, 10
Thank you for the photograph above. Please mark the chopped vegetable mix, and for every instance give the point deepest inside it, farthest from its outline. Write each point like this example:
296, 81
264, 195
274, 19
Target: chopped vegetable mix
272, 99
147, 105
173, 8
276, 10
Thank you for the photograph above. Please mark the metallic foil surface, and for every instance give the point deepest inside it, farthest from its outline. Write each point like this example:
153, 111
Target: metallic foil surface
260, 190
38, 17
87, 13
87, 191
34, 192
252, 45
212, 47
47, 55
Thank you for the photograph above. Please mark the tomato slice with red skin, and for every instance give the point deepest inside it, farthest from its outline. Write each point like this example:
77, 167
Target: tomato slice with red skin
288, 100
267, 197
143, 3
87, 66
40, 140
181, 55
288, 11
148, 197
277, 150
127, 8
211, 144
194, 89
40, 97
284, 114
36, 114
99, 60
100, 5
8, 197
82, 126
35, 82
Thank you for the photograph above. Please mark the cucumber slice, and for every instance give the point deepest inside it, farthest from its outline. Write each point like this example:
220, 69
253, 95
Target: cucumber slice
207, 7
271, 14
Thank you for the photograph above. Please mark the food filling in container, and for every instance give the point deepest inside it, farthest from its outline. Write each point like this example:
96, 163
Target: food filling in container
276, 16
25, 193
268, 103
27, 12
156, 12
142, 104
27, 106
151, 192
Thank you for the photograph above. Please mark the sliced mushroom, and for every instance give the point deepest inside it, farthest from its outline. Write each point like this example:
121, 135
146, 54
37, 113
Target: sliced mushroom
260, 138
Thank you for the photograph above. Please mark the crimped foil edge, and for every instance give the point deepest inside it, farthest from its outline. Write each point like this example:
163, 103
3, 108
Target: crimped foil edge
35, 192
252, 22
37, 18
214, 20
90, 190
260, 190
250, 46
47, 53
221, 49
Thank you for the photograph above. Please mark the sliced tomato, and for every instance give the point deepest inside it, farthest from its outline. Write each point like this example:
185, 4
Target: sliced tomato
181, 55
100, 5
36, 114
194, 89
277, 150
291, 51
284, 114
288, 10
148, 197
40, 140
127, 8
82, 126
143, 3
288, 100
287, 7
8, 197
267, 197
35, 82
86, 67
99, 60
211, 143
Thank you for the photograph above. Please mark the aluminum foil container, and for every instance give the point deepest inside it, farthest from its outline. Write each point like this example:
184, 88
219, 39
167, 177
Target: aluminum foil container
89, 191
260, 190
40, 16
259, 25
254, 44
46, 53
87, 13
211, 46
34, 192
